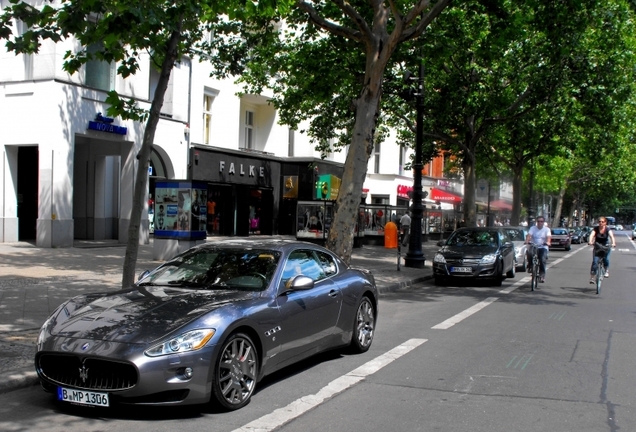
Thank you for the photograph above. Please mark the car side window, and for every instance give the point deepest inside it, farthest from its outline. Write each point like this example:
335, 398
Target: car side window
302, 262
328, 264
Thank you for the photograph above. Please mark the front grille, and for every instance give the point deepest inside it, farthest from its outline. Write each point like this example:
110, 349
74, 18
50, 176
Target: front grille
464, 261
86, 372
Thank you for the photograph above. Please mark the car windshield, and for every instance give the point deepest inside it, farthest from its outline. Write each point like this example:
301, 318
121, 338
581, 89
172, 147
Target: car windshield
209, 268
515, 234
559, 231
473, 238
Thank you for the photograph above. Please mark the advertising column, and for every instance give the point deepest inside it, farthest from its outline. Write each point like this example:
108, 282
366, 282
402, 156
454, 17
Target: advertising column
180, 217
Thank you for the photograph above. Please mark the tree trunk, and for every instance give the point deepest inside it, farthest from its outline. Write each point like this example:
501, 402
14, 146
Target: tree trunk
340, 239
141, 180
517, 181
470, 212
559, 205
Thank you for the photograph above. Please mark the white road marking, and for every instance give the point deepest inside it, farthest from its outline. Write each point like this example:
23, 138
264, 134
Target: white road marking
465, 314
297, 408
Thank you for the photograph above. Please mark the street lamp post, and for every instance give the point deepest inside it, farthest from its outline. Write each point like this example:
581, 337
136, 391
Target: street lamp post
414, 257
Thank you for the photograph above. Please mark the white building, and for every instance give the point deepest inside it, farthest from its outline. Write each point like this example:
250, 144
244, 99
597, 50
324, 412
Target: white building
67, 170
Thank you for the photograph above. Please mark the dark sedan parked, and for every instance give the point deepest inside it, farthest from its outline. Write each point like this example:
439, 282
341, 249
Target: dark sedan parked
207, 325
477, 253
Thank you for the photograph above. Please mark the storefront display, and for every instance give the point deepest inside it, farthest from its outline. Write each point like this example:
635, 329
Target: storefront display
374, 218
313, 222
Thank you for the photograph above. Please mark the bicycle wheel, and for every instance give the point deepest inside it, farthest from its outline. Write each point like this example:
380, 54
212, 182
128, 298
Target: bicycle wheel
535, 274
599, 277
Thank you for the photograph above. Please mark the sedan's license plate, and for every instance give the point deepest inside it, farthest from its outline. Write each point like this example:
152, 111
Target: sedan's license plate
82, 397
461, 269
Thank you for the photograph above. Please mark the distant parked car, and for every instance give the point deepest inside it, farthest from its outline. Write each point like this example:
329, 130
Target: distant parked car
561, 239
586, 230
619, 227
484, 253
576, 236
517, 235
634, 232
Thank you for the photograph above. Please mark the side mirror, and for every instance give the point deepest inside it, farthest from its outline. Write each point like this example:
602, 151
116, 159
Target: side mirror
300, 283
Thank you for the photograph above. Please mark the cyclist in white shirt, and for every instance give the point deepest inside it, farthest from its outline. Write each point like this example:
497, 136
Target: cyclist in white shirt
541, 236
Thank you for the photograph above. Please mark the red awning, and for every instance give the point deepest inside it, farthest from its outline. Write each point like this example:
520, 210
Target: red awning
501, 205
444, 196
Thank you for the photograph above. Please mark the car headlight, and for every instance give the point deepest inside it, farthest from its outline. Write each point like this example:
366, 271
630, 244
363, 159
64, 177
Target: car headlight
190, 341
488, 259
439, 258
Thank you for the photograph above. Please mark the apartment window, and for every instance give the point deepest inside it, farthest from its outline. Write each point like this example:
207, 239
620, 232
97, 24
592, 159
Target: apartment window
28, 58
376, 158
402, 159
249, 129
208, 99
290, 142
99, 74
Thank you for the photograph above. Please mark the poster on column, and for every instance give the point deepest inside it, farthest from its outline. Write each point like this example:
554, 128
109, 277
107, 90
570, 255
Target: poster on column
180, 210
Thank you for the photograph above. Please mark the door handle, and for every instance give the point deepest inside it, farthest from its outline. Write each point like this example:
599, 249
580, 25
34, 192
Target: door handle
333, 293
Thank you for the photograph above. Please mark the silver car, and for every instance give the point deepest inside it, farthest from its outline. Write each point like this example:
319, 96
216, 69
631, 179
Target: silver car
517, 235
207, 325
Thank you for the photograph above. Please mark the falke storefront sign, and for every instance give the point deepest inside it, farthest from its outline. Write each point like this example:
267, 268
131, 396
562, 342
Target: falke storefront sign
105, 124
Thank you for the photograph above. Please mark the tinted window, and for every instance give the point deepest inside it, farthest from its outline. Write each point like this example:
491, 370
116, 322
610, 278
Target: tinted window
559, 231
473, 238
246, 270
515, 234
328, 264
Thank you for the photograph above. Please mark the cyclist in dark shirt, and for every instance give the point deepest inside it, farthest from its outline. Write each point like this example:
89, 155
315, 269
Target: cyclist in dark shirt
601, 235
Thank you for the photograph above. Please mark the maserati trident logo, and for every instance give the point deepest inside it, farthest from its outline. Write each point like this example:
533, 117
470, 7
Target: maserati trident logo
83, 373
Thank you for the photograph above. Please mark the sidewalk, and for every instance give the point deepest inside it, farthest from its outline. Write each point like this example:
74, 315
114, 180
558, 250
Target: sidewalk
34, 281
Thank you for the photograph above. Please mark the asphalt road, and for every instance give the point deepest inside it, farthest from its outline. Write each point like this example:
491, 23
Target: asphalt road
454, 358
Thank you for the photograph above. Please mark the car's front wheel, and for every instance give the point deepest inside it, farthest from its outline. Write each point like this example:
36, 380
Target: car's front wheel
363, 326
235, 372
511, 273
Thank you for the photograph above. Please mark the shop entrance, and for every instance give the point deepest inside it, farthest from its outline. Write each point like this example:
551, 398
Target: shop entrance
28, 170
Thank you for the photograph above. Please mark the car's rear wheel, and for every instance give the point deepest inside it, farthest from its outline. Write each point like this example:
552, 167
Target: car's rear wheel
524, 264
363, 326
235, 372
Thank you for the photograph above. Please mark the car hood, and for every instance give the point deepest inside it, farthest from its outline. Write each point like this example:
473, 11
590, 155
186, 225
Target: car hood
137, 315
467, 251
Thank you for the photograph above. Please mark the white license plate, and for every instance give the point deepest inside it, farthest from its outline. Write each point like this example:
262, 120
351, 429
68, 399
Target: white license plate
461, 269
82, 397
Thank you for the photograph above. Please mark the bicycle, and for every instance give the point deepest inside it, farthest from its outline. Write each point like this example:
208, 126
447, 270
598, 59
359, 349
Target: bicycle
601, 252
535, 265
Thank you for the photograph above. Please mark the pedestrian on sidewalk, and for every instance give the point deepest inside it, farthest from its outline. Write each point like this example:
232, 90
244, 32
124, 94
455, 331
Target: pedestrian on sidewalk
405, 224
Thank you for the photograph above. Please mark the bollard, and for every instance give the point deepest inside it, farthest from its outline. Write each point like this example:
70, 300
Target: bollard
390, 235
